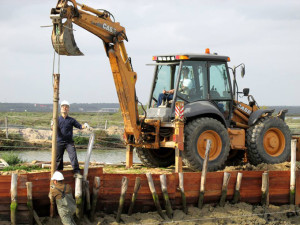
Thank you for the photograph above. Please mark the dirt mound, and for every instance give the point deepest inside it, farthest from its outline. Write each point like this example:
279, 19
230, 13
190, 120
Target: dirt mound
115, 130
240, 213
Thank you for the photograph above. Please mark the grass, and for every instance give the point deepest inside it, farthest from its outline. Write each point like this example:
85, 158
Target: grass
22, 167
43, 119
11, 158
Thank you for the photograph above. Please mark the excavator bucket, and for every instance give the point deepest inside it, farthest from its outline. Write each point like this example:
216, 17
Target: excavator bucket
63, 39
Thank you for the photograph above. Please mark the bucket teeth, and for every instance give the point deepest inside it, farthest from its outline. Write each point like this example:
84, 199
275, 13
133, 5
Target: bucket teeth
63, 39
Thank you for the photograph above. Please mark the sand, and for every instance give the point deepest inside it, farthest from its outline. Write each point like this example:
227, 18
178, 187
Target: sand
240, 213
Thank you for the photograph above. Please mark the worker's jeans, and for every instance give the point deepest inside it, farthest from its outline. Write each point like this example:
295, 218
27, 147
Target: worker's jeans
70, 147
162, 97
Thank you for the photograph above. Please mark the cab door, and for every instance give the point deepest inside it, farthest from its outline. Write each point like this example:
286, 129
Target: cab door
219, 90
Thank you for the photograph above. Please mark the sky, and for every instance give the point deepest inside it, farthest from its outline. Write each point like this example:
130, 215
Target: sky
262, 34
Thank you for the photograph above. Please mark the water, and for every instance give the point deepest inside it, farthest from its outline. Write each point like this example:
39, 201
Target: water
102, 156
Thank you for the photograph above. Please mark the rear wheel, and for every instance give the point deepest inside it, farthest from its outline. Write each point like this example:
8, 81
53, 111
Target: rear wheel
269, 141
162, 157
196, 134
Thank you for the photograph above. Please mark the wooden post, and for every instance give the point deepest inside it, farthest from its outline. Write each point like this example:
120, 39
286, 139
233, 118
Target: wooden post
86, 185
163, 182
154, 195
6, 127
178, 138
56, 78
203, 174
96, 188
181, 188
36, 218
265, 193
29, 201
137, 186
224, 188
129, 156
14, 195
293, 172
265, 189
105, 127
88, 156
122, 198
178, 160
78, 197
236, 196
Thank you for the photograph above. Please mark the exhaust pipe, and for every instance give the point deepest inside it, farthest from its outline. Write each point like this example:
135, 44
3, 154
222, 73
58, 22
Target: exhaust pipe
63, 38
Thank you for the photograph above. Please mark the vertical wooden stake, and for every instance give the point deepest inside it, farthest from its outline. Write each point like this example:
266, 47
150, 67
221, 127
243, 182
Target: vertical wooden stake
129, 156
293, 171
154, 195
14, 195
105, 127
122, 198
6, 127
96, 188
236, 196
178, 160
203, 174
163, 182
181, 188
29, 201
137, 186
87, 194
224, 188
88, 156
265, 193
78, 197
265, 189
56, 78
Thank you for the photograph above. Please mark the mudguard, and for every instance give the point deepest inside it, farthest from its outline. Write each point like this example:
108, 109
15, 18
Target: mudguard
257, 114
202, 107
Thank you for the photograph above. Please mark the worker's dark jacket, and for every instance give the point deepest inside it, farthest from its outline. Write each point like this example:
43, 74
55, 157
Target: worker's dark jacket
65, 129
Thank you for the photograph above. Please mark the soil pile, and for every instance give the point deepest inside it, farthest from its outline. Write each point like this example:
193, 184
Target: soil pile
240, 213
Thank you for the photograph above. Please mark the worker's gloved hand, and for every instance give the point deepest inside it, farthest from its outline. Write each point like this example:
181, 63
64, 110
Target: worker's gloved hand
52, 123
86, 126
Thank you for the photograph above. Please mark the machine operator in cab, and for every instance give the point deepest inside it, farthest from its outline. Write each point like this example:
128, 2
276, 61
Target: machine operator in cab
184, 87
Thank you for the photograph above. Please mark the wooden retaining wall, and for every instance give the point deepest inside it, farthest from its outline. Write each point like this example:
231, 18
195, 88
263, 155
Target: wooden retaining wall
110, 189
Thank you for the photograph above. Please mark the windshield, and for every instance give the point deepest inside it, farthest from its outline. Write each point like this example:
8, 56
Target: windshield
193, 82
164, 81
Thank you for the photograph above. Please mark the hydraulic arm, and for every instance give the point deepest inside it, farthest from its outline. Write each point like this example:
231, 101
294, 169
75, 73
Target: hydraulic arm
101, 24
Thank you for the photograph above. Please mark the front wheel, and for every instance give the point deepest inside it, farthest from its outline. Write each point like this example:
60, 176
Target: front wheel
196, 134
162, 157
269, 141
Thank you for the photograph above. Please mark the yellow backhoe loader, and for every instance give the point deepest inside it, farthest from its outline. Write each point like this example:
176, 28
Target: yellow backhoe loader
212, 109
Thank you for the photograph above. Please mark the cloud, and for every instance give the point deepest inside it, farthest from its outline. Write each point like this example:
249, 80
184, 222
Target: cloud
262, 34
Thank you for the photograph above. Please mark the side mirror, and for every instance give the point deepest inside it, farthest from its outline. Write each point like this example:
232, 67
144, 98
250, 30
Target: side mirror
246, 91
242, 71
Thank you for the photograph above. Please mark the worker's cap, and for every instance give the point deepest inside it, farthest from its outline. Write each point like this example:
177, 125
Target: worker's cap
57, 176
64, 102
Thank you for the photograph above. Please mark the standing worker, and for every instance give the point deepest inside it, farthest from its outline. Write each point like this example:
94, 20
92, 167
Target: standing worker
65, 138
62, 193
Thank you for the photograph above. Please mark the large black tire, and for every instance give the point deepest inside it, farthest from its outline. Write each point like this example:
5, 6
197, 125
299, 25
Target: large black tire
162, 157
269, 141
196, 131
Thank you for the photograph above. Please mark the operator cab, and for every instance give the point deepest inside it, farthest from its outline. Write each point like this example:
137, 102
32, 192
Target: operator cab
201, 81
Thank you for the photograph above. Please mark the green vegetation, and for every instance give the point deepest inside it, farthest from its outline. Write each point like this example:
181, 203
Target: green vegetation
101, 139
11, 158
43, 119
22, 167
